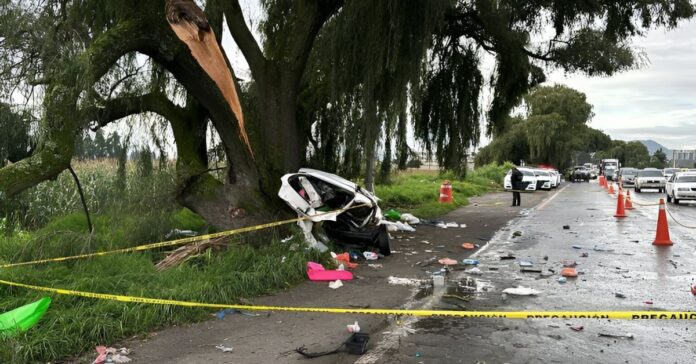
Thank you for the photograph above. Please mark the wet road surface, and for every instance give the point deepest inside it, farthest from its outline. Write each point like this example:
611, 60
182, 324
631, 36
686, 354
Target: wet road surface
622, 271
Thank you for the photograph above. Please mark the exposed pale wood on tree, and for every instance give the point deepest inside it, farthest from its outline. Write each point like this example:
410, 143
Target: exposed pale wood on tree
205, 49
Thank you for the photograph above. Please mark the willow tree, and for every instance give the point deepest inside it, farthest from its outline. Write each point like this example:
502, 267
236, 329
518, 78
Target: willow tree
526, 38
360, 77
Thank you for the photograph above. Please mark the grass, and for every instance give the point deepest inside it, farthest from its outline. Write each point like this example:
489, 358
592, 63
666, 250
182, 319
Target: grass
75, 325
417, 192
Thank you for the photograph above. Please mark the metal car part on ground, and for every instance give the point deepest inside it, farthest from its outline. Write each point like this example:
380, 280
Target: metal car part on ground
346, 212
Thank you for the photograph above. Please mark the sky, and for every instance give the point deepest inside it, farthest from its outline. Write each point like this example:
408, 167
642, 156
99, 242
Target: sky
655, 102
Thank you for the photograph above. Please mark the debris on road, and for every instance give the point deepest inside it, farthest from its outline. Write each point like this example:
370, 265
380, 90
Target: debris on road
316, 272
569, 263
648, 302
525, 263
224, 349
375, 266
353, 328
616, 336
344, 258
566, 227
530, 270
113, 355
569, 272
370, 255
619, 295
477, 272
403, 281
601, 249
584, 255
577, 247
577, 328
447, 261
336, 284
508, 257
470, 262
693, 290
468, 246
438, 280
562, 279
516, 234
521, 291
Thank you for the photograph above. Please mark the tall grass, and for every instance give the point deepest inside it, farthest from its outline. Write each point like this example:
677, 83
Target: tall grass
417, 192
141, 194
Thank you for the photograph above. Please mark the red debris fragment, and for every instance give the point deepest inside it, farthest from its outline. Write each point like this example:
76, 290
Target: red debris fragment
648, 302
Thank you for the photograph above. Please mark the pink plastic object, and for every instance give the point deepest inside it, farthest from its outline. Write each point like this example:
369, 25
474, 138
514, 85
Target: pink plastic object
316, 272
101, 357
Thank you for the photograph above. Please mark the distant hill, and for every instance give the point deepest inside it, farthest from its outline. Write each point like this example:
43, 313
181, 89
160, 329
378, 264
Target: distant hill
653, 146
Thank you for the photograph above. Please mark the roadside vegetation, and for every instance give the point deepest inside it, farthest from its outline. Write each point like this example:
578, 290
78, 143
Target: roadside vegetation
417, 192
48, 221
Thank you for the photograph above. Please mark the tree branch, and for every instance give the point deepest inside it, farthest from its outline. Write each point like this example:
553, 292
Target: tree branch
118, 108
243, 36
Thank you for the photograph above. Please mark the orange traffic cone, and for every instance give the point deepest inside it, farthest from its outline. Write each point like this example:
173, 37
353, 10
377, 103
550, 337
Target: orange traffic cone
602, 182
611, 189
620, 207
629, 203
662, 234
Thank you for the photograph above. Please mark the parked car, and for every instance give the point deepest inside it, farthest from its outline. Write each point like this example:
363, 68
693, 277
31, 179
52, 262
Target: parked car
681, 186
650, 178
316, 194
554, 178
529, 182
580, 173
627, 176
543, 178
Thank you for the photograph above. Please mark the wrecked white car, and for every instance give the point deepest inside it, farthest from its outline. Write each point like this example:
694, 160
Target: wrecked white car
347, 213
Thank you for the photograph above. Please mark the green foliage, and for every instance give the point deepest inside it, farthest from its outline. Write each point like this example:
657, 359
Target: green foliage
15, 139
39, 205
554, 128
418, 192
144, 162
447, 105
74, 325
659, 159
631, 154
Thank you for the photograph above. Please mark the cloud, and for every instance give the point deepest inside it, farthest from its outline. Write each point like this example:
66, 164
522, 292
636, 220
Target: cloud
654, 102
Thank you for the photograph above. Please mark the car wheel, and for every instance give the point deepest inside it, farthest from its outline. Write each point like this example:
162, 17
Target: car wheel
676, 201
383, 241
669, 198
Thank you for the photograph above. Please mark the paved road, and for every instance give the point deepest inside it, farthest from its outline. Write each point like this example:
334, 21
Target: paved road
620, 259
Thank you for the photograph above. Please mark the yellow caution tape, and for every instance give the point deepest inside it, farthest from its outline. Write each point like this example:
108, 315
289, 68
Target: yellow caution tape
625, 315
175, 242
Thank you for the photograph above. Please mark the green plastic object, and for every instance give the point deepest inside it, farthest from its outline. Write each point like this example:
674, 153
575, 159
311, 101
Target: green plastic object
23, 318
393, 215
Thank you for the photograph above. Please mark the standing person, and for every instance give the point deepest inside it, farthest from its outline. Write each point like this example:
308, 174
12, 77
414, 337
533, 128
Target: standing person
516, 181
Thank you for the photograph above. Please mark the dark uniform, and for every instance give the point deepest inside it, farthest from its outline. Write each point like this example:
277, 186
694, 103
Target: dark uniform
516, 181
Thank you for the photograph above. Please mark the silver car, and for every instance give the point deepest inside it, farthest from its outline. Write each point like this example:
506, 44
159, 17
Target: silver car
650, 178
